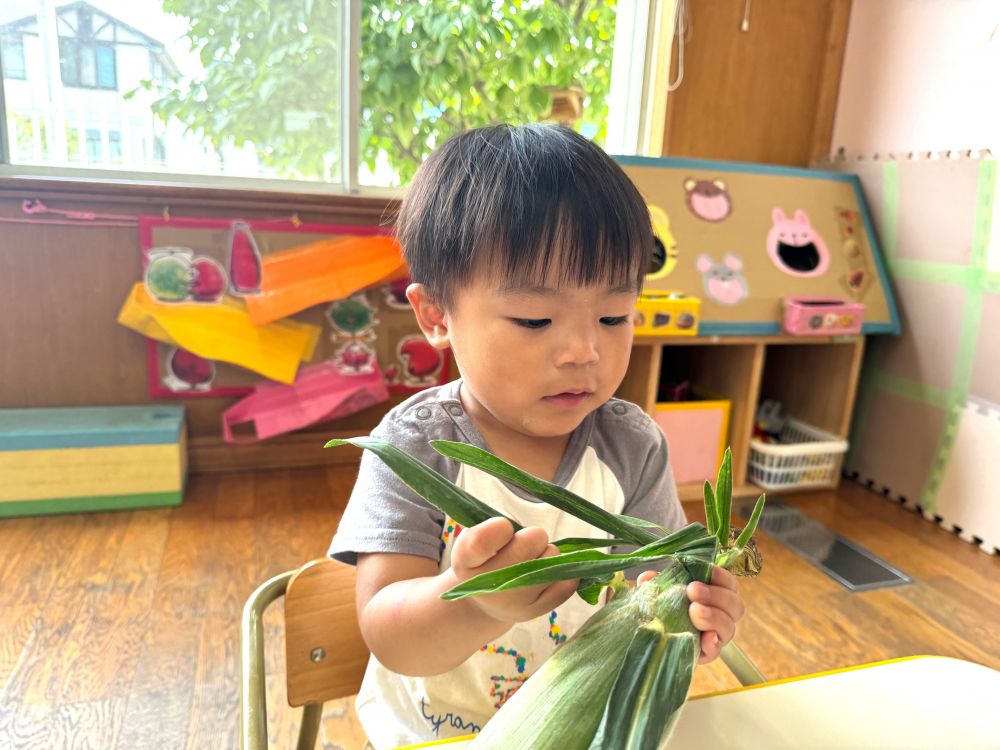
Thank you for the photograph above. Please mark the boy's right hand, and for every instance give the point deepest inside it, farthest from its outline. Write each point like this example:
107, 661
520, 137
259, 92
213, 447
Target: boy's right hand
493, 544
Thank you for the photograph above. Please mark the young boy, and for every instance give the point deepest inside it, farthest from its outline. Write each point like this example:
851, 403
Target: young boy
527, 247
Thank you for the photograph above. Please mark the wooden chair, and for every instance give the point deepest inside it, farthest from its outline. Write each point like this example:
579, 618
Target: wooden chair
325, 654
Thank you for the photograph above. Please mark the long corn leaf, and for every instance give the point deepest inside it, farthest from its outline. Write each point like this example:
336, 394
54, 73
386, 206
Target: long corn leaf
429, 484
660, 530
751, 527
711, 512
552, 494
574, 544
590, 589
724, 497
691, 541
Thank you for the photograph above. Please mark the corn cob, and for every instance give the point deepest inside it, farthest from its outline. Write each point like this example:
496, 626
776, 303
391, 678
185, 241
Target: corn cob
619, 683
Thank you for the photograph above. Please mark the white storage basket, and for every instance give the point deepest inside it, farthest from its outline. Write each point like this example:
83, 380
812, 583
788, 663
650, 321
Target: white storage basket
805, 457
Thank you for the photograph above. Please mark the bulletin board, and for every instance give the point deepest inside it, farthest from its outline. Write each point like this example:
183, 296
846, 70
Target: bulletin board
367, 328
741, 237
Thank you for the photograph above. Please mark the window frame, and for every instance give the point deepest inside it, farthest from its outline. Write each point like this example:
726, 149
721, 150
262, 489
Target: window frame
348, 185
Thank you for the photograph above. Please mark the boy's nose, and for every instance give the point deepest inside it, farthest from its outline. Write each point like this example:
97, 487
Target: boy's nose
579, 348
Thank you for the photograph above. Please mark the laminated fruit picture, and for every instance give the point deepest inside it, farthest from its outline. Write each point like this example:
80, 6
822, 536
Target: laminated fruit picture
353, 316
175, 274
244, 260
395, 294
188, 372
418, 364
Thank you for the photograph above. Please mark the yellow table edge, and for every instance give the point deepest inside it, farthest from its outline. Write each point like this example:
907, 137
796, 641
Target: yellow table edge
841, 670
437, 743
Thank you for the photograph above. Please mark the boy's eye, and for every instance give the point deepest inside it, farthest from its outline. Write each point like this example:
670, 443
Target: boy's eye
615, 320
532, 323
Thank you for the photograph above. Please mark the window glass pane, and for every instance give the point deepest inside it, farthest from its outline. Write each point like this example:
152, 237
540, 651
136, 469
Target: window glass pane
434, 68
12, 49
88, 64
94, 149
69, 63
115, 146
106, 67
247, 88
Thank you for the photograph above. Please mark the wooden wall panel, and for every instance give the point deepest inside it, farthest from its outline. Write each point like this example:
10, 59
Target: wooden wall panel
61, 288
767, 95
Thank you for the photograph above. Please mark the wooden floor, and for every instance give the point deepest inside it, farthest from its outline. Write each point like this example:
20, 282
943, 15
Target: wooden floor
120, 630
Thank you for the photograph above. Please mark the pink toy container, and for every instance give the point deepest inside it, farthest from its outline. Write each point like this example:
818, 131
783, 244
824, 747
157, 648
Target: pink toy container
822, 316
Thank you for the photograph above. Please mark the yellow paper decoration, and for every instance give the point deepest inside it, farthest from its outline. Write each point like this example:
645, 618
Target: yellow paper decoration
224, 332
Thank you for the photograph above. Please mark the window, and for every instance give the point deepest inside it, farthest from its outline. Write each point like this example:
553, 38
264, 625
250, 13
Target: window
159, 150
288, 92
12, 51
95, 152
115, 147
87, 65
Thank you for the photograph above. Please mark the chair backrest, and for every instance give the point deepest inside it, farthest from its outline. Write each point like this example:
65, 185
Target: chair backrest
325, 654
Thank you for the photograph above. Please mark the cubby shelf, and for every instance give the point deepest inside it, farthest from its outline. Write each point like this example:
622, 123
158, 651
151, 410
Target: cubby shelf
814, 378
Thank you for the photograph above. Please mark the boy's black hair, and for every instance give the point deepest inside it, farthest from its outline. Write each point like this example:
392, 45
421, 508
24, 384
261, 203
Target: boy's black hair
512, 200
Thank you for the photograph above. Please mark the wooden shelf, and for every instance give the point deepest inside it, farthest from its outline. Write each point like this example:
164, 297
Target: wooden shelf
815, 378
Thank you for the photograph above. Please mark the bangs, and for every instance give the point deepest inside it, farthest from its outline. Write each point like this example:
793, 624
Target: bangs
519, 205
575, 241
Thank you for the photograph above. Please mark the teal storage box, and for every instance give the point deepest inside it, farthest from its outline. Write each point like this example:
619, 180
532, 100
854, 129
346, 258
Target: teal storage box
91, 458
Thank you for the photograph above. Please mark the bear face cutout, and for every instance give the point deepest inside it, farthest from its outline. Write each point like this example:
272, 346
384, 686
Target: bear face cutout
707, 199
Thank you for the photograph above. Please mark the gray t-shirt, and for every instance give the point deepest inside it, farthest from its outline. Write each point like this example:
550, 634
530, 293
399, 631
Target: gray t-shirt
384, 515
616, 458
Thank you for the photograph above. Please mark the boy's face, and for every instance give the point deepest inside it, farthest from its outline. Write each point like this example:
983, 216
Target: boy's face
535, 361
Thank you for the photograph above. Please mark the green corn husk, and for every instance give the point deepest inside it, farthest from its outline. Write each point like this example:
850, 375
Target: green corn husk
590, 693
620, 682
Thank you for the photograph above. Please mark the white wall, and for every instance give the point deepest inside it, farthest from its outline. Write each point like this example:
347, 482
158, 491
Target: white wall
920, 75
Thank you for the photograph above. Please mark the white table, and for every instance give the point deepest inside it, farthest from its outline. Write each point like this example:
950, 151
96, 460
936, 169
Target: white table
922, 702
917, 703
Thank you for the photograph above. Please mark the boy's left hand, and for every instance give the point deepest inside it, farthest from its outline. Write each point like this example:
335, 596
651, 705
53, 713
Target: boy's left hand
715, 609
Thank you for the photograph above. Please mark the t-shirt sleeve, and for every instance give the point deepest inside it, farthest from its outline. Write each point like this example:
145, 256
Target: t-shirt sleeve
383, 514
637, 450
654, 496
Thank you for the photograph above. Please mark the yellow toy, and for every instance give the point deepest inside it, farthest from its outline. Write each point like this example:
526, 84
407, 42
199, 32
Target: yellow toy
666, 314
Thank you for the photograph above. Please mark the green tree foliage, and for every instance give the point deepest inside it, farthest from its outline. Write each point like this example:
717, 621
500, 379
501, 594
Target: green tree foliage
429, 69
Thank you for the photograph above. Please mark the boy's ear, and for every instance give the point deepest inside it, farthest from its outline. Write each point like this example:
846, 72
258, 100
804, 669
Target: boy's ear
430, 316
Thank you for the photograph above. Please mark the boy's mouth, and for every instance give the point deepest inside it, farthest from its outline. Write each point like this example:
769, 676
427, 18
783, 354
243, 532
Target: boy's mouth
568, 399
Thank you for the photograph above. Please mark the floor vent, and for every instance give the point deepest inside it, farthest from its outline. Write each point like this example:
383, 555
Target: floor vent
846, 562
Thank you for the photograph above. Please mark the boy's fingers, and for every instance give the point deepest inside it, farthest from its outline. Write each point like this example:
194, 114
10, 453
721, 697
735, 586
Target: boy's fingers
722, 577
715, 620
526, 544
481, 542
495, 545
552, 596
717, 597
645, 576
711, 647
